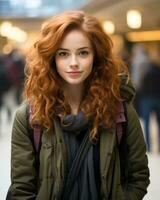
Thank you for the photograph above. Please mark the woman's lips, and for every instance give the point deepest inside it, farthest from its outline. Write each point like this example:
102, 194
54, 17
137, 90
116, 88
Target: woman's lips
74, 73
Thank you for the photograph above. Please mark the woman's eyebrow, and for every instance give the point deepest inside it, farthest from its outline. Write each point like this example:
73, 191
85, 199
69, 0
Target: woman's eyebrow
62, 49
83, 48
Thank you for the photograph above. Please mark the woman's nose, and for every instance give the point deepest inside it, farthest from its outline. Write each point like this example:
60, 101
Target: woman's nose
73, 62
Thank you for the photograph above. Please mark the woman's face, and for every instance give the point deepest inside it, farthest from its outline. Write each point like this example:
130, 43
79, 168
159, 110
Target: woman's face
74, 58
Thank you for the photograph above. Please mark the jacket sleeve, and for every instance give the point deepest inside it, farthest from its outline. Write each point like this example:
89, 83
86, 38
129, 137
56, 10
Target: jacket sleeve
138, 172
23, 173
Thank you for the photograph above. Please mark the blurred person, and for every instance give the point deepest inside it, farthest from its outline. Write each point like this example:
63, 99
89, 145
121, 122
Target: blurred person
5, 84
140, 63
14, 65
125, 56
73, 86
150, 101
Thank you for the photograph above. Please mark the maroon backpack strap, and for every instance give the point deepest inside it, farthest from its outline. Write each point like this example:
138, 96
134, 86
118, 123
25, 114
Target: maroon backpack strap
36, 131
121, 118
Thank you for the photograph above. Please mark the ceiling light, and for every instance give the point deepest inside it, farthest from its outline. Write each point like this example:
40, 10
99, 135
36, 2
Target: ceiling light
134, 19
109, 27
18, 35
12, 32
5, 28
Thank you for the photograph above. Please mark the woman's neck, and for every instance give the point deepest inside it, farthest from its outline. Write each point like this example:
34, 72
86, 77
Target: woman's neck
73, 95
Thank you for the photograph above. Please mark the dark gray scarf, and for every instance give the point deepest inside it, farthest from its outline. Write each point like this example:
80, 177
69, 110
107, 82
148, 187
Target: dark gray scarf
74, 128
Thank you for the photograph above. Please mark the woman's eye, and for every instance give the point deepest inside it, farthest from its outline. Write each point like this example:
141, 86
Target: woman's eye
62, 54
84, 53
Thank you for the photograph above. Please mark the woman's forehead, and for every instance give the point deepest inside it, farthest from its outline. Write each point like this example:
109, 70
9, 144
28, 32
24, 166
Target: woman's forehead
75, 39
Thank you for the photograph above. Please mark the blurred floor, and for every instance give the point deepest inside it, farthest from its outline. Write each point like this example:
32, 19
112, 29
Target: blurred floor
5, 133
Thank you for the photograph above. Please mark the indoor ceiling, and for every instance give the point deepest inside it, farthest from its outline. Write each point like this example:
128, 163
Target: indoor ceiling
36, 8
115, 10
29, 15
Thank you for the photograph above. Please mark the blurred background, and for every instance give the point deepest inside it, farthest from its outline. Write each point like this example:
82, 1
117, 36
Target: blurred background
134, 27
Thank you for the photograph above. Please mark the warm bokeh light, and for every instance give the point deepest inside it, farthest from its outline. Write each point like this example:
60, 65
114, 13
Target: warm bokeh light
5, 28
109, 27
12, 32
7, 48
143, 36
17, 35
134, 19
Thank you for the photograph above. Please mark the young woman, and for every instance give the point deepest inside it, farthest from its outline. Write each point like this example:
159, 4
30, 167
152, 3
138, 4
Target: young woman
73, 85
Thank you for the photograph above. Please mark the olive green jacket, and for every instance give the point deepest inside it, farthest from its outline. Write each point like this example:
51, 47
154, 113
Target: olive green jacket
53, 160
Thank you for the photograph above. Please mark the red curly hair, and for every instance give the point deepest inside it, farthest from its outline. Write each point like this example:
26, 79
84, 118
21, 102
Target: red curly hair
43, 86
